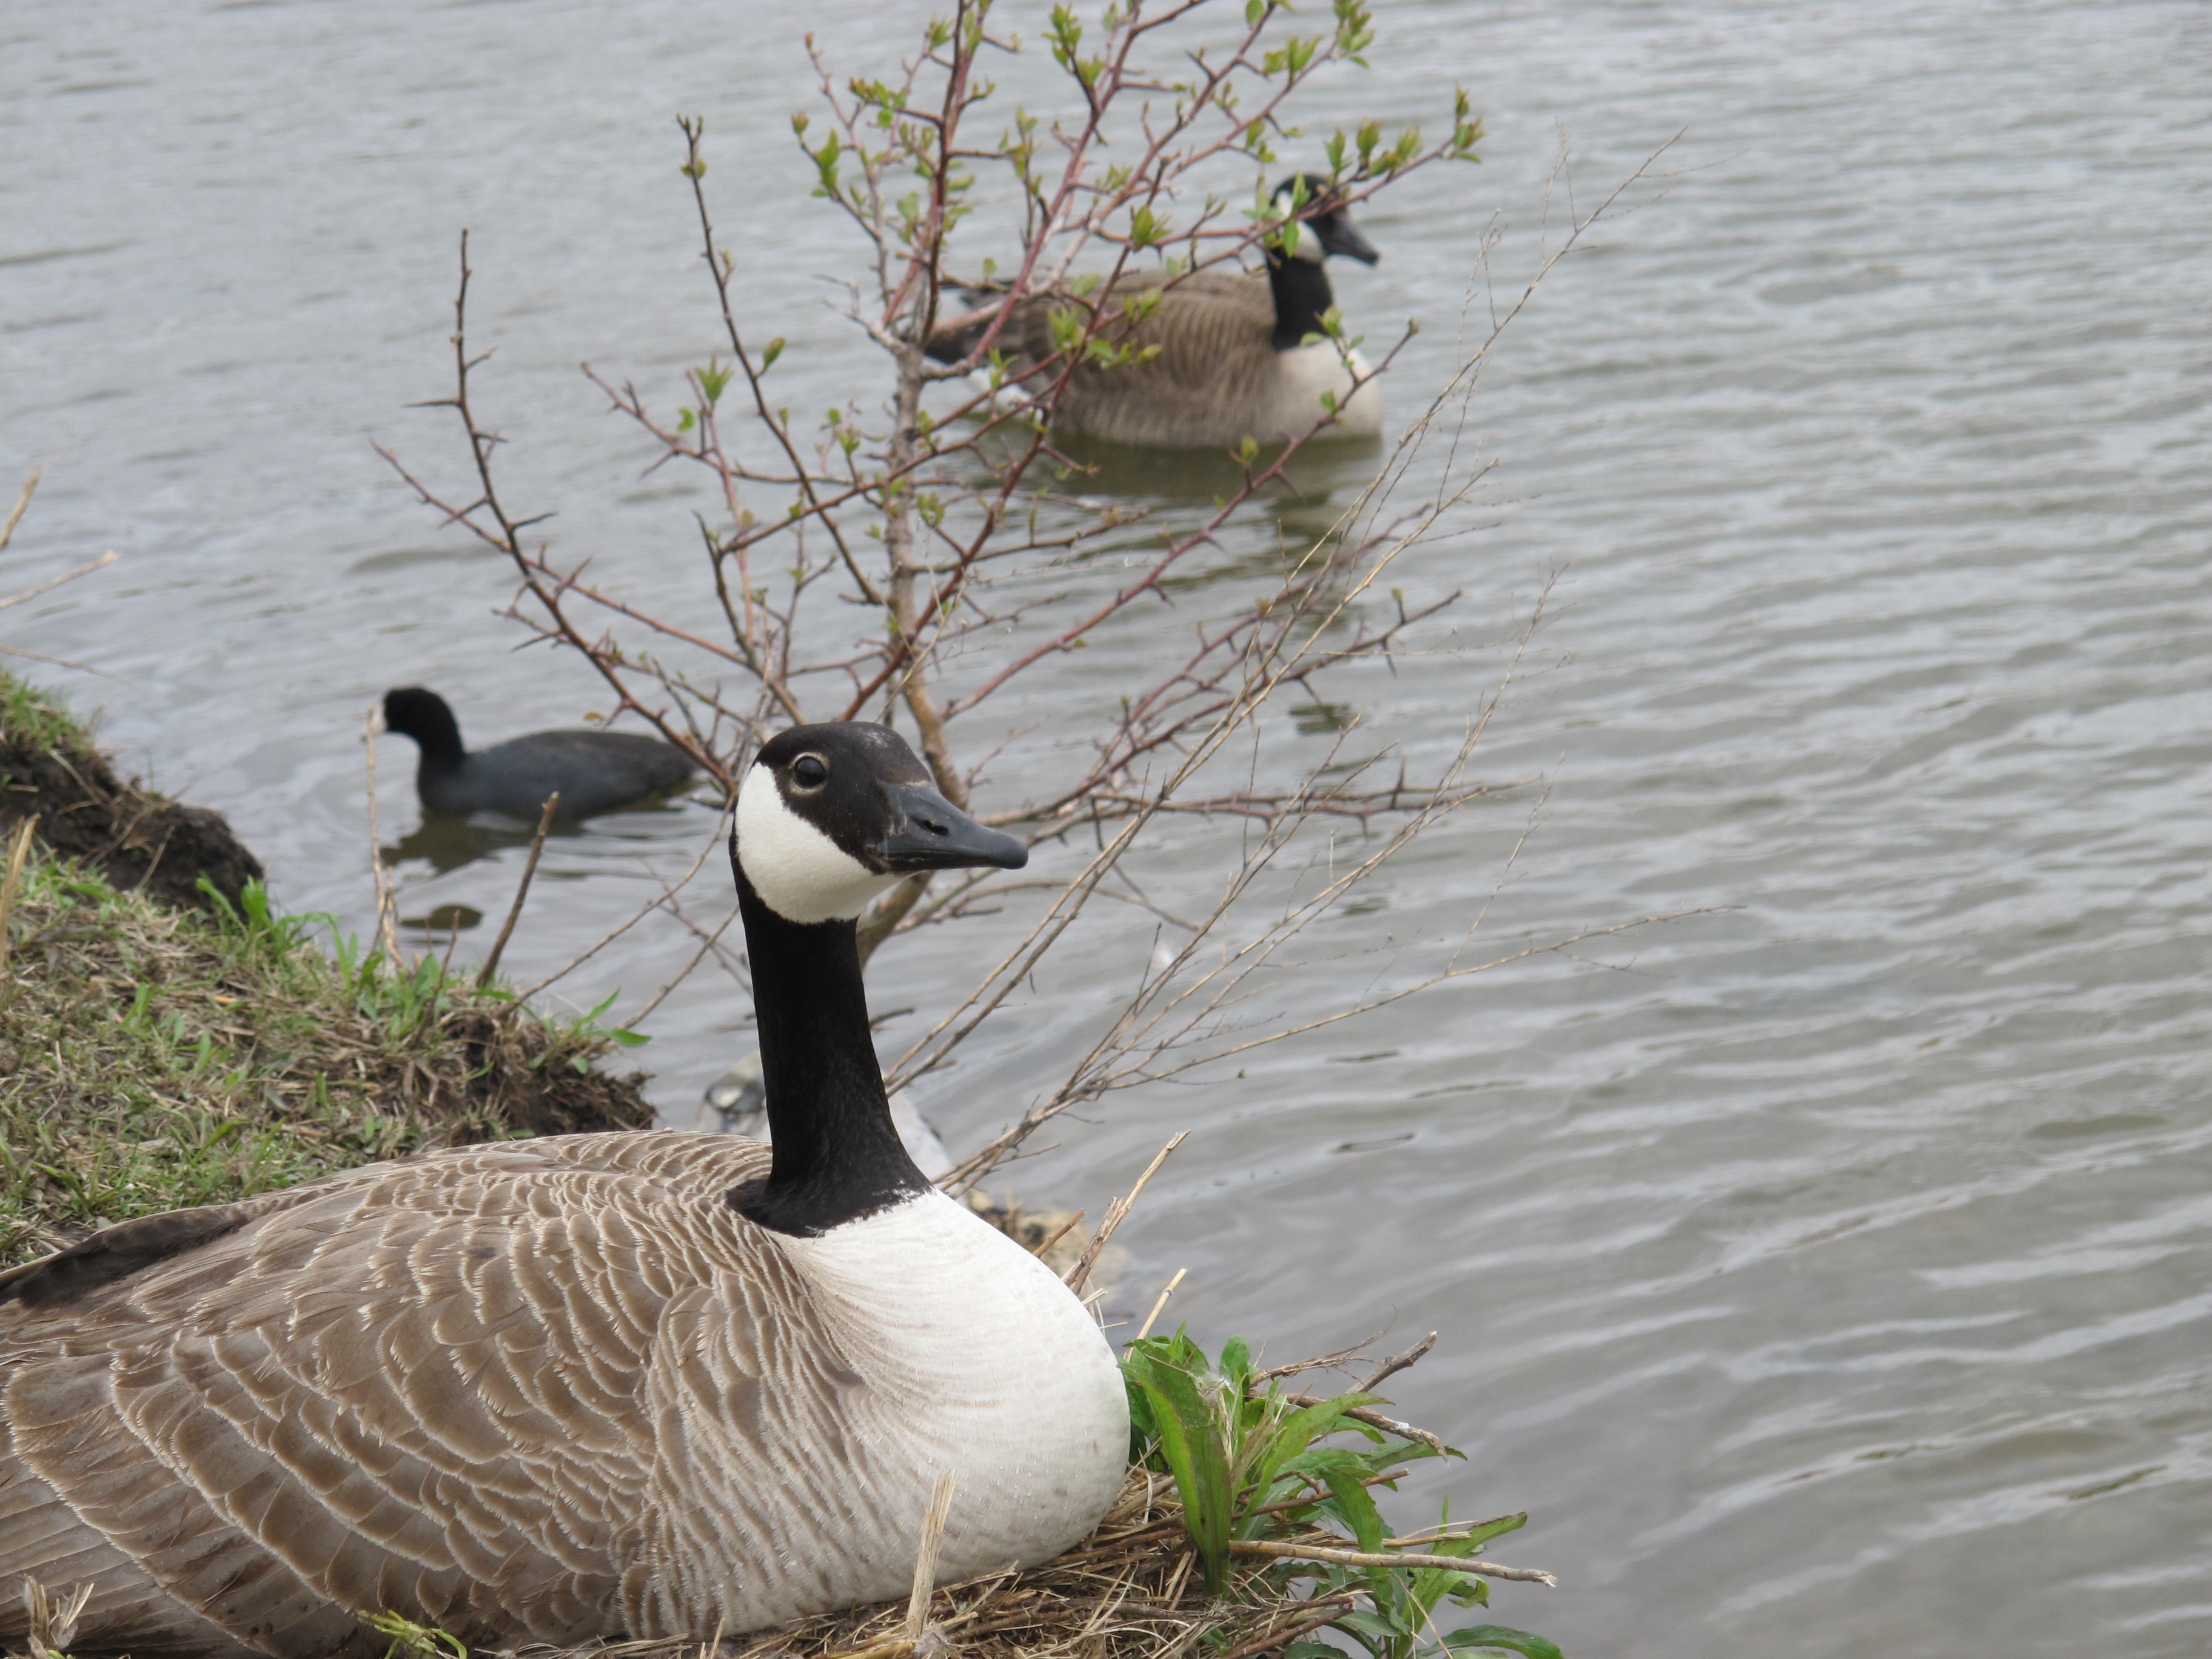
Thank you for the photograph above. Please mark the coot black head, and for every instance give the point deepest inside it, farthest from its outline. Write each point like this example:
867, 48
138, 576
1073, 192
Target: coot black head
422, 715
830, 816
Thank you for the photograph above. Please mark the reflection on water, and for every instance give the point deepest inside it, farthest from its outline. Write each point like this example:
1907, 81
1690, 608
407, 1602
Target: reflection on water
1320, 472
445, 920
447, 843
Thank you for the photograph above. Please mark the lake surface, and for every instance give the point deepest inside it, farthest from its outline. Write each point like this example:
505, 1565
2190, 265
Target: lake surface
1829, 1271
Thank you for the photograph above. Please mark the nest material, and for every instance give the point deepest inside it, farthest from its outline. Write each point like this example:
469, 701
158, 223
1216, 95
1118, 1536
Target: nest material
1132, 1590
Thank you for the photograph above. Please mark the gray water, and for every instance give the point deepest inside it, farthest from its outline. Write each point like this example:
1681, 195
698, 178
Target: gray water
1825, 1271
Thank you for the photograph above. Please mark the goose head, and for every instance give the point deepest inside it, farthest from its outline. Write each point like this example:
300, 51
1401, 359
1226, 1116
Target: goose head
830, 816
1321, 232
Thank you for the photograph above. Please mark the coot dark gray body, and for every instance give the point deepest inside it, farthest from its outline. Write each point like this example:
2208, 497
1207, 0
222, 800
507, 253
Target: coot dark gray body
593, 772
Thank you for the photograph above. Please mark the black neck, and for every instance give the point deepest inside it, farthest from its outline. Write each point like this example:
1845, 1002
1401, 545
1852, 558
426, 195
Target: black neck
439, 741
837, 1156
1302, 297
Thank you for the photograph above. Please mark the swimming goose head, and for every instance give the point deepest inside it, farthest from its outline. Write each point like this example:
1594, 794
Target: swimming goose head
1323, 233
830, 816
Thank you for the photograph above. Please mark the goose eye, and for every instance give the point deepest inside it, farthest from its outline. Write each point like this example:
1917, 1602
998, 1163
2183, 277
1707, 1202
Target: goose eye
809, 773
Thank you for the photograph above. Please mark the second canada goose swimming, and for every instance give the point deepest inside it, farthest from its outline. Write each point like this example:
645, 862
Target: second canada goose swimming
593, 772
1230, 362
651, 1384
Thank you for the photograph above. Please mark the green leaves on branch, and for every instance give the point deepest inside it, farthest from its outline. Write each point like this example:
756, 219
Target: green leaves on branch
1369, 158
1064, 34
713, 380
1355, 31
1294, 57
825, 158
1466, 127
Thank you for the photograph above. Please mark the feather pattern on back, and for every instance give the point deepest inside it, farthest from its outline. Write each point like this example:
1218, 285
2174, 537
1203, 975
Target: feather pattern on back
541, 1390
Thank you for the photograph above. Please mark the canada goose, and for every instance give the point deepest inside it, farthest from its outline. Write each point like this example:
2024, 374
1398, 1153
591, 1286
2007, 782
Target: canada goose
739, 1102
1230, 364
650, 1384
593, 772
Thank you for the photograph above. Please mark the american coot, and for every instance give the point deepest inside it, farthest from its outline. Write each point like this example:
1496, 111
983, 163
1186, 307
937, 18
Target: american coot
1229, 359
595, 771
653, 1385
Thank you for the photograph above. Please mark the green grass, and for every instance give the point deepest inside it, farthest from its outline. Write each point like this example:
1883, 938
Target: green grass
152, 1059
27, 713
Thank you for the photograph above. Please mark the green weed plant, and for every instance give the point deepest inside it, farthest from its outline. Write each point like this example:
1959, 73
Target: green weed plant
1250, 1463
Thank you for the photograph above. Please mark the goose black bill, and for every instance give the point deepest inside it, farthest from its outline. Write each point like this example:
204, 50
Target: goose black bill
929, 832
1340, 236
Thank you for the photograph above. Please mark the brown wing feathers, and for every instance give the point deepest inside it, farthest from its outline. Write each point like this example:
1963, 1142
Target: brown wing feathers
1215, 331
413, 1388
118, 1252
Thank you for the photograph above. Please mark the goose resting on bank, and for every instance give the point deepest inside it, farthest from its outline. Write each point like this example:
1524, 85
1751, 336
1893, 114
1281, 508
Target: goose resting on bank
593, 772
647, 1384
1230, 363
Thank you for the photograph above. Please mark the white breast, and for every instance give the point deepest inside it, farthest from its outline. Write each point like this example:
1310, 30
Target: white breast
1305, 372
793, 1478
998, 1374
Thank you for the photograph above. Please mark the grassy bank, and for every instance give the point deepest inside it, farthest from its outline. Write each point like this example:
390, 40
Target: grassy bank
166, 1040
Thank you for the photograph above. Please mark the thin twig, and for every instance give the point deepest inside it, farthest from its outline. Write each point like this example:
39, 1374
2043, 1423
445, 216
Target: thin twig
1362, 1558
925, 1558
1390, 1367
1453, 1529
1062, 1232
1153, 1317
22, 502
1375, 1419
53, 582
521, 891
1079, 1274
1306, 1627
606, 939
1321, 1362
708, 942
385, 916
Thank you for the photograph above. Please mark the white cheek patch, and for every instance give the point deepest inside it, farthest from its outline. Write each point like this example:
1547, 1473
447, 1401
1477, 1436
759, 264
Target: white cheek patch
1307, 247
799, 872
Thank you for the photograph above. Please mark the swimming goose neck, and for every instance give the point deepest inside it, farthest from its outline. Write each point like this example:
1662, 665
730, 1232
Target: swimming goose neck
1303, 298
837, 1154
